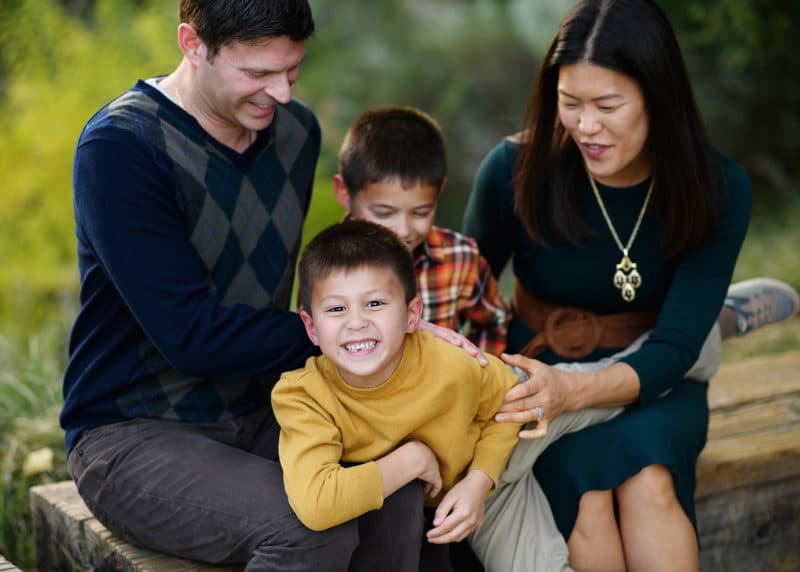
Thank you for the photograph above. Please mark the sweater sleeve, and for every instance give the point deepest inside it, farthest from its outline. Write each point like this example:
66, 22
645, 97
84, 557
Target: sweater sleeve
496, 440
489, 215
128, 216
321, 491
695, 295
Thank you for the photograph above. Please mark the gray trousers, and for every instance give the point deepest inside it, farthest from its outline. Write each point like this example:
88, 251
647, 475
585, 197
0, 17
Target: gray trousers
214, 492
519, 533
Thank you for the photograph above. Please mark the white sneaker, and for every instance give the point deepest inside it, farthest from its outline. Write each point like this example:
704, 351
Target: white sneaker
761, 301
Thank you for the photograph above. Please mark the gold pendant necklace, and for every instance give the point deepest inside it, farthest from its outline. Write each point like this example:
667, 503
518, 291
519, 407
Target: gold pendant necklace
627, 278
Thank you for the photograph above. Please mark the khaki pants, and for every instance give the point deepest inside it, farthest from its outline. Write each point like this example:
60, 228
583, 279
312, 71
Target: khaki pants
518, 532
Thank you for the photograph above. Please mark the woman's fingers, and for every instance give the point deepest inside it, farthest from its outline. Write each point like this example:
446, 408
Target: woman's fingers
518, 360
539, 398
535, 432
529, 415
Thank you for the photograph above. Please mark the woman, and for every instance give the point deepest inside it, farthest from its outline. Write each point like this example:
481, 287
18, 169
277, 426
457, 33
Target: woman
613, 205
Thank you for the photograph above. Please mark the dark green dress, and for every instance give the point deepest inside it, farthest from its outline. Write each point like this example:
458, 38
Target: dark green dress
670, 430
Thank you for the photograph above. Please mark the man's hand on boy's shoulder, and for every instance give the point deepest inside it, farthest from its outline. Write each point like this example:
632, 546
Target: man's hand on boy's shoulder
454, 338
462, 508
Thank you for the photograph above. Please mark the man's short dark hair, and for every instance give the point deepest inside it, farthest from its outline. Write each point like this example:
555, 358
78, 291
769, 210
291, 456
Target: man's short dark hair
221, 22
393, 143
350, 245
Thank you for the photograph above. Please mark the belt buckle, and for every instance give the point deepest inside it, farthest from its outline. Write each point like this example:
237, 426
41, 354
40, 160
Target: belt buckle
572, 333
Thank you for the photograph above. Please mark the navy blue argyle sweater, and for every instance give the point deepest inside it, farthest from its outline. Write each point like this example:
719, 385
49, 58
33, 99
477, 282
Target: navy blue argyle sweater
186, 252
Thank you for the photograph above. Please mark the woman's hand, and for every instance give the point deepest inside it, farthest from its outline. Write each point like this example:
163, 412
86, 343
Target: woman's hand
454, 338
544, 396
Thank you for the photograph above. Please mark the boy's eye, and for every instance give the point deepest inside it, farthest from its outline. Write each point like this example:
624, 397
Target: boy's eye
422, 214
335, 309
606, 109
374, 303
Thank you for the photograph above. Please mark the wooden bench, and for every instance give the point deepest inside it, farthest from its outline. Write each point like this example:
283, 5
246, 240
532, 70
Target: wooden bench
68, 537
748, 476
748, 493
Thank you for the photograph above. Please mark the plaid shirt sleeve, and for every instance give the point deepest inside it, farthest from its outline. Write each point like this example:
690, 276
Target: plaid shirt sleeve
459, 291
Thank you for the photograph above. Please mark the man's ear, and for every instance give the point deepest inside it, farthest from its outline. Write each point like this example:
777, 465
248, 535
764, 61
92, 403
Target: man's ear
340, 190
308, 322
190, 43
414, 314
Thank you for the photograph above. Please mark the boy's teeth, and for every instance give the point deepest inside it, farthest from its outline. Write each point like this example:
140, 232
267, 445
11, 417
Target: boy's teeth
360, 346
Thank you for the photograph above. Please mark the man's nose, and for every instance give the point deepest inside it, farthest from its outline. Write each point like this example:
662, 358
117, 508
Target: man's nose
279, 88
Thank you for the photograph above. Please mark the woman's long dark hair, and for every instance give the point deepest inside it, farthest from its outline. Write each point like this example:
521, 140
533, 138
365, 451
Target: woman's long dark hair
632, 37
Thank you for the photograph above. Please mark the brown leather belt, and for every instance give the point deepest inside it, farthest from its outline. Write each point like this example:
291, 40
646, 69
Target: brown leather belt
574, 333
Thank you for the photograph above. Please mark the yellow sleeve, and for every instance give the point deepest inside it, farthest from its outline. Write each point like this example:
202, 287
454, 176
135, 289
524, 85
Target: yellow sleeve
496, 440
321, 491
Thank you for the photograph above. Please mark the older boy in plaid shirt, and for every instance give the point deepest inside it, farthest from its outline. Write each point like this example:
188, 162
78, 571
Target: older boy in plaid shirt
392, 167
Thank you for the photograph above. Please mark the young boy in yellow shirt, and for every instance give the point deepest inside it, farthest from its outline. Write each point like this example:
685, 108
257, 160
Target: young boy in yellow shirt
385, 405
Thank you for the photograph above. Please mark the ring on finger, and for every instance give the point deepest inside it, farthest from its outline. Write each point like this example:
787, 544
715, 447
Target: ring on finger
538, 411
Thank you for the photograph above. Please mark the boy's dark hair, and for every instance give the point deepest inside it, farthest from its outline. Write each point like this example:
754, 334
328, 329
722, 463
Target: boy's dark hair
393, 143
221, 22
350, 245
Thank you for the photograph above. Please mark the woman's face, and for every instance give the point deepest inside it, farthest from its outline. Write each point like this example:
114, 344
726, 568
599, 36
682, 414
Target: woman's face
604, 113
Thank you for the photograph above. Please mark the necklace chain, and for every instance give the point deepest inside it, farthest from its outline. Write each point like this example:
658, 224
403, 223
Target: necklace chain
624, 249
627, 277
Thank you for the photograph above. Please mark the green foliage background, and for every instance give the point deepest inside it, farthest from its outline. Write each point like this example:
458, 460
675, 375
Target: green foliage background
470, 63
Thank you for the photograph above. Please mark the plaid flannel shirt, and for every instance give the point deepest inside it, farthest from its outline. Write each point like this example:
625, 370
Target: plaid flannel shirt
459, 291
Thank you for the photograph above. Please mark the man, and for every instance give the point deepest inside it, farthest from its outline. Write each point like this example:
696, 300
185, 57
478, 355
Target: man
190, 192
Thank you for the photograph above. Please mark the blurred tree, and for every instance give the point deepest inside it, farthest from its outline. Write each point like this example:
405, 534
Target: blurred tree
745, 66
61, 67
457, 60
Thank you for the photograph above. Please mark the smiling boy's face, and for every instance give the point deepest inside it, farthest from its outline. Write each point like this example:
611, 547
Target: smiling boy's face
359, 318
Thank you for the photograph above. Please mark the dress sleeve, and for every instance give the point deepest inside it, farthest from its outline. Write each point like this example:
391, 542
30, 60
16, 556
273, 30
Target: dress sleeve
695, 295
489, 216
133, 232
321, 491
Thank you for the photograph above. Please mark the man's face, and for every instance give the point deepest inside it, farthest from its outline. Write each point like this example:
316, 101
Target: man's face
408, 211
241, 85
359, 319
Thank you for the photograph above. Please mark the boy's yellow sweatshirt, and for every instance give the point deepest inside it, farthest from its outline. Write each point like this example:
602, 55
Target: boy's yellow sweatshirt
438, 395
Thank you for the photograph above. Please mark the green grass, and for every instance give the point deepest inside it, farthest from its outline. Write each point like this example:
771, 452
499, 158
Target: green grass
30, 398
771, 248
